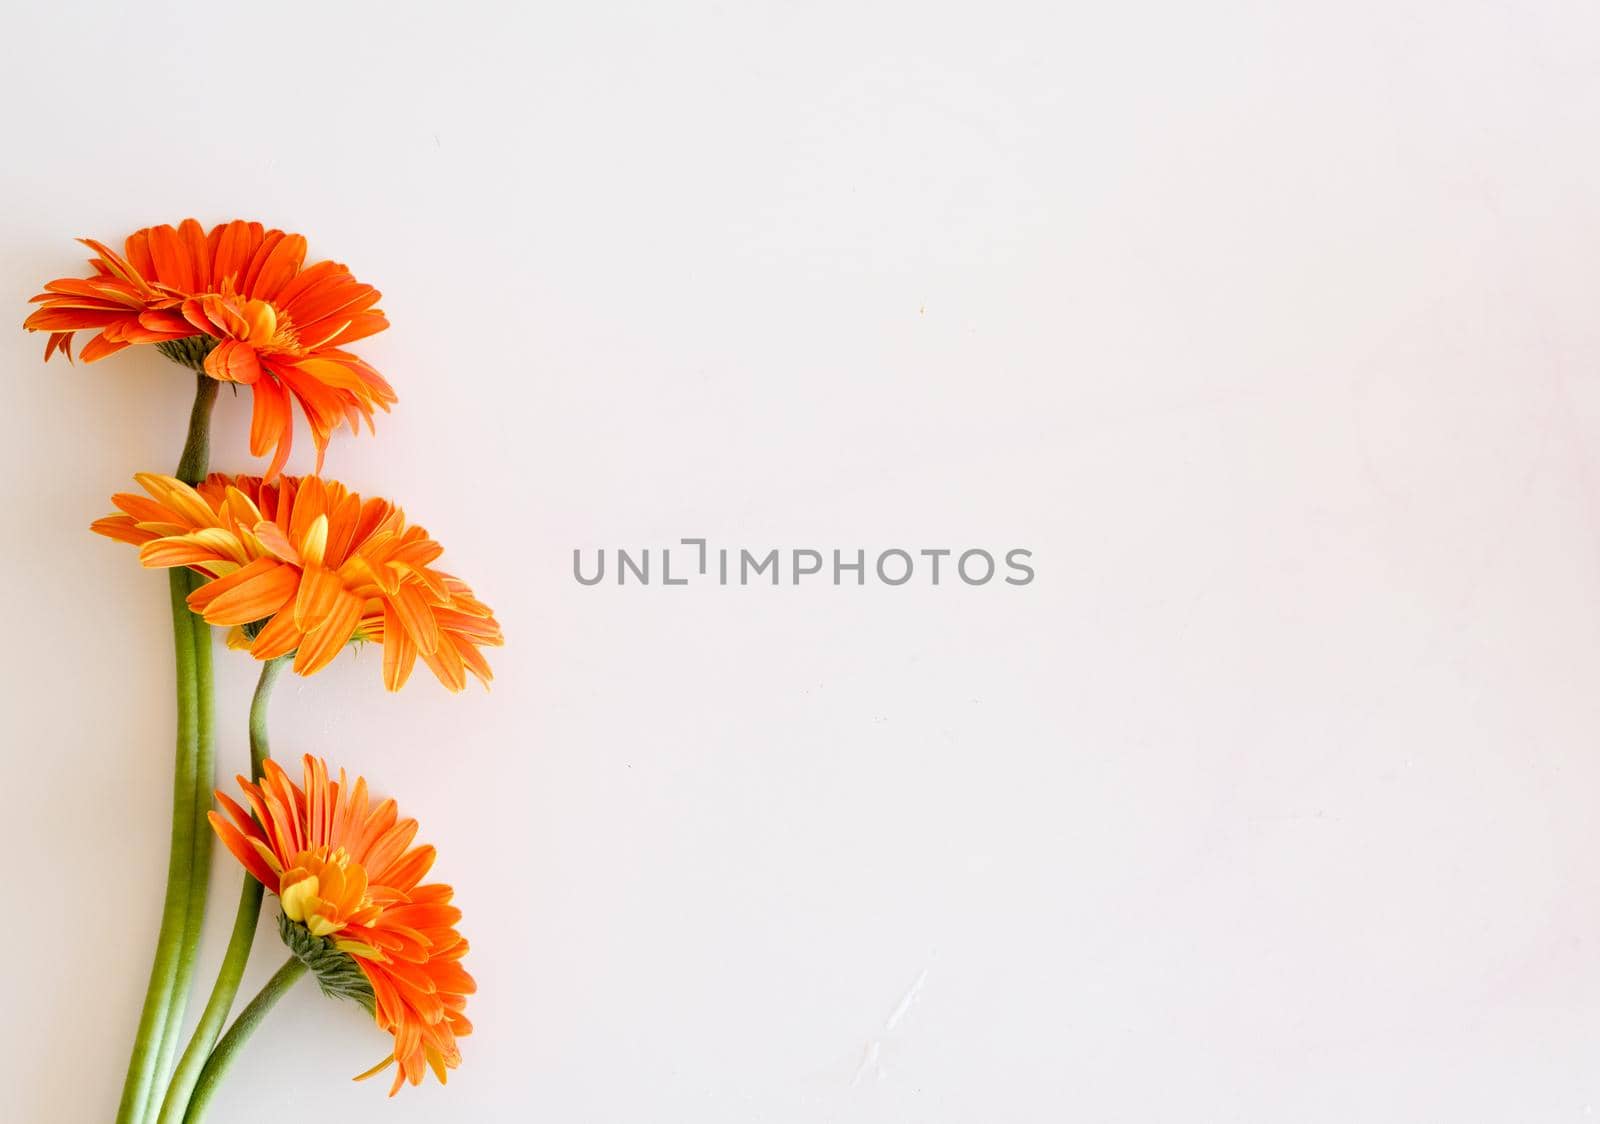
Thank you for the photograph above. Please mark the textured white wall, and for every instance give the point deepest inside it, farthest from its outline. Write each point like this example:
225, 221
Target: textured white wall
1270, 328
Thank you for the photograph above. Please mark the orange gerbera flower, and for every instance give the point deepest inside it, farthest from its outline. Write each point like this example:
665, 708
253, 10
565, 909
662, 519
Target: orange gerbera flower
306, 566
240, 305
347, 878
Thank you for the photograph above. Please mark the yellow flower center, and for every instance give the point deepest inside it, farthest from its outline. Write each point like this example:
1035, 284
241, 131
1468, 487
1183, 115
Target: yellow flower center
322, 890
259, 323
269, 329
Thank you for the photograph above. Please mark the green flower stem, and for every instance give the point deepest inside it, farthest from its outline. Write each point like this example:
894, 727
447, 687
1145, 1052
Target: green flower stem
178, 937
200, 849
244, 930
216, 1068
259, 748
196, 459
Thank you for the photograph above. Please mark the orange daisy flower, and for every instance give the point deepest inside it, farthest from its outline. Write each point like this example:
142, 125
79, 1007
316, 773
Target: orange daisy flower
240, 305
307, 566
355, 910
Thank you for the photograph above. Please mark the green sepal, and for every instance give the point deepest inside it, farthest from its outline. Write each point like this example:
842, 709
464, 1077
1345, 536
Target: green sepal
190, 351
337, 973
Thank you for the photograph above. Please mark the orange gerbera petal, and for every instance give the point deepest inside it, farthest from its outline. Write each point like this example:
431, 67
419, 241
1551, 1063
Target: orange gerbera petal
304, 565
238, 304
350, 895
233, 361
250, 594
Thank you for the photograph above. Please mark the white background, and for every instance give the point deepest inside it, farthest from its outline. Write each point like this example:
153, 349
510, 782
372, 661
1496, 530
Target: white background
1271, 329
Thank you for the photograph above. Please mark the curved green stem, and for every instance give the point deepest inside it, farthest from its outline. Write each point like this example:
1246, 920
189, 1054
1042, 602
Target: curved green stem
259, 749
196, 458
231, 972
175, 911
216, 1068
199, 853
178, 937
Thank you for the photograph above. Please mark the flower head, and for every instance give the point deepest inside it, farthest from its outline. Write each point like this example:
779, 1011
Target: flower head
239, 304
306, 566
355, 909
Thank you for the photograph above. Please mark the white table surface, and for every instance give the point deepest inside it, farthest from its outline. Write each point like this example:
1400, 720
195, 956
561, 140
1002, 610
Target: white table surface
1269, 328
